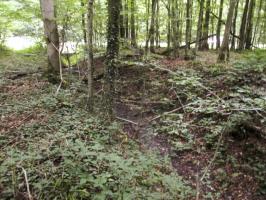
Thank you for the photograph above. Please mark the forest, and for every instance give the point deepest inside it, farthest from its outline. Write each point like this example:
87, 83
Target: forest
133, 99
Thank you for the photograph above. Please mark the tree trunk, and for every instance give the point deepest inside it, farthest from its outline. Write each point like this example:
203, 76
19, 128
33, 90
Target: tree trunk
263, 26
121, 20
169, 24
175, 28
157, 25
111, 53
83, 22
199, 27
51, 36
224, 50
90, 54
219, 25
147, 3
243, 27
152, 26
132, 24
257, 21
205, 44
188, 27
233, 43
126, 20
250, 25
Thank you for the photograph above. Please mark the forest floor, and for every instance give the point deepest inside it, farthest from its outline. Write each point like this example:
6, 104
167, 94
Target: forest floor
184, 130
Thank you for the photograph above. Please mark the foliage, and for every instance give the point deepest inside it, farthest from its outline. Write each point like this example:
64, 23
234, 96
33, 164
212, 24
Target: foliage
70, 154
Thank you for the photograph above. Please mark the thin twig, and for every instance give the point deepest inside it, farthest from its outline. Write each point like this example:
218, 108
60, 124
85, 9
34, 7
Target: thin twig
214, 157
27, 182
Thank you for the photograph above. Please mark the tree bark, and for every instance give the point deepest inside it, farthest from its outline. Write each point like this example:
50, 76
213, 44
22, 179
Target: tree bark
157, 25
188, 27
224, 50
83, 22
199, 27
205, 44
257, 21
233, 43
175, 27
121, 20
126, 20
51, 35
152, 26
132, 24
111, 54
243, 27
250, 25
90, 54
219, 25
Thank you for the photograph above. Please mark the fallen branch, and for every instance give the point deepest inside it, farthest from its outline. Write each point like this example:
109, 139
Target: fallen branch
170, 112
166, 52
126, 120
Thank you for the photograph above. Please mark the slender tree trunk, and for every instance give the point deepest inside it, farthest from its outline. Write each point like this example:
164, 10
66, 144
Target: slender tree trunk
152, 27
157, 25
263, 26
132, 24
122, 27
147, 3
243, 27
224, 50
250, 24
188, 27
83, 22
205, 44
233, 43
90, 54
219, 25
126, 20
51, 36
169, 24
199, 26
111, 53
257, 21
175, 27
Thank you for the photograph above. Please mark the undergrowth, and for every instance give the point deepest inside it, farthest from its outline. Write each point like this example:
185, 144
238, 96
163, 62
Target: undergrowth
54, 146
220, 109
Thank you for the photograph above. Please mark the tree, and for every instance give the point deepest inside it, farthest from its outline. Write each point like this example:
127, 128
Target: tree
219, 24
152, 25
51, 36
188, 27
258, 20
233, 43
224, 50
204, 44
121, 20
249, 30
132, 24
90, 54
199, 26
175, 27
243, 27
111, 53
83, 22
126, 19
